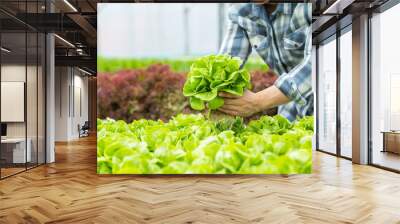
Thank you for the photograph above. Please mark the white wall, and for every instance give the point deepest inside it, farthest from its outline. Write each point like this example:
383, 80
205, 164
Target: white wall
12, 73
13, 100
80, 100
70, 83
62, 82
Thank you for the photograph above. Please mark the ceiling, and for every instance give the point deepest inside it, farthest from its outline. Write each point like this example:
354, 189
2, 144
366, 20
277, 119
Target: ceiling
75, 23
332, 15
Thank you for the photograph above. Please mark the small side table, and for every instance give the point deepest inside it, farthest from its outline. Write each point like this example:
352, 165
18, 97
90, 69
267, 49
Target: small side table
14, 150
391, 141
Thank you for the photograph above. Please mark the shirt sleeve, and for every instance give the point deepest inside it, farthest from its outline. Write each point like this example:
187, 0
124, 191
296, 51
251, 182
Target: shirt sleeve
296, 84
236, 42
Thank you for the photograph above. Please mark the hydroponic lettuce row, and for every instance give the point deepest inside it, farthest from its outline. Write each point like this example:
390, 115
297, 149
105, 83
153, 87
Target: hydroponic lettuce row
212, 74
191, 144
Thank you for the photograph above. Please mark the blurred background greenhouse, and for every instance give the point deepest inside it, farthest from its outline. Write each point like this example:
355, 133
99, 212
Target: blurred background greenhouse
158, 30
145, 51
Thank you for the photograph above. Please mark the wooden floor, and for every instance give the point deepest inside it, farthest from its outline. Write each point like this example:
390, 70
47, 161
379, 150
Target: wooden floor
70, 191
387, 159
10, 171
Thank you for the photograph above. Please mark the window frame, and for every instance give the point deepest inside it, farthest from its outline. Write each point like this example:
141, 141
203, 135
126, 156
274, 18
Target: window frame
379, 10
334, 37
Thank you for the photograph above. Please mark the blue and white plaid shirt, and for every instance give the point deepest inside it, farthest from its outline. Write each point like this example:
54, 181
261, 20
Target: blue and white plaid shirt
283, 40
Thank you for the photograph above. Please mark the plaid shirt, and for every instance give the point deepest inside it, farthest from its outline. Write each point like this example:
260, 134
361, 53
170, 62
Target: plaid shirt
283, 40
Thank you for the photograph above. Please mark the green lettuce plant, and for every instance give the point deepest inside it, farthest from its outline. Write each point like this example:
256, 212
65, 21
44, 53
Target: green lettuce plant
192, 144
212, 74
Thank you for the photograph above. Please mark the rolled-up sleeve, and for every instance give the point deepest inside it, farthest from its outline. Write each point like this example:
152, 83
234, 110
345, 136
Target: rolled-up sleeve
296, 84
236, 42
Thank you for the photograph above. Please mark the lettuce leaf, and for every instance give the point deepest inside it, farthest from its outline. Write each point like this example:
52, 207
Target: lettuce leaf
192, 144
212, 74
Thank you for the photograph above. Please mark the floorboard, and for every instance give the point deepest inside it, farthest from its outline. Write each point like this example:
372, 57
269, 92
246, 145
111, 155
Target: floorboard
70, 191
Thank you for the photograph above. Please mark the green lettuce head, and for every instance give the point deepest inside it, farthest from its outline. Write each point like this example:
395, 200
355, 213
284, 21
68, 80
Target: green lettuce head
212, 74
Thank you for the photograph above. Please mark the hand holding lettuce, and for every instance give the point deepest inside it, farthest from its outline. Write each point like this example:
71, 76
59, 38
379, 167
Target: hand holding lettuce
212, 74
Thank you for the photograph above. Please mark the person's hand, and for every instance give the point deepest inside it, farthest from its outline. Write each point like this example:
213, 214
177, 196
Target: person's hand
243, 106
251, 103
